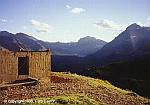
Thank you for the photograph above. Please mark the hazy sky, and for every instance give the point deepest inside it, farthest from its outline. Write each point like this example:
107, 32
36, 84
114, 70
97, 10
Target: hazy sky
69, 20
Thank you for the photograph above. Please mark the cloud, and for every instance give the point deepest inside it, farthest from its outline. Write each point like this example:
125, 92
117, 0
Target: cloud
41, 27
148, 21
139, 23
68, 7
3, 20
143, 24
77, 10
108, 24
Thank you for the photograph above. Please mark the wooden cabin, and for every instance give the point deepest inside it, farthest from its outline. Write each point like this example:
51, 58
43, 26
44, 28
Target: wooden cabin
24, 64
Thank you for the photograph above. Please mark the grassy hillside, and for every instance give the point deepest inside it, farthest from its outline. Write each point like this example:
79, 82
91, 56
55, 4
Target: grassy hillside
72, 99
133, 75
73, 89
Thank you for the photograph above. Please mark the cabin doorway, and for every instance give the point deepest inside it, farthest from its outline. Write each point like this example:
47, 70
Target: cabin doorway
23, 66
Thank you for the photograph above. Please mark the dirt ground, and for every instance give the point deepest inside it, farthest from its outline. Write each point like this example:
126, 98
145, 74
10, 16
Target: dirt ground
61, 85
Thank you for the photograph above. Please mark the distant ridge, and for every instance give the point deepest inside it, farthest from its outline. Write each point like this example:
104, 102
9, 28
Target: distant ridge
85, 46
132, 43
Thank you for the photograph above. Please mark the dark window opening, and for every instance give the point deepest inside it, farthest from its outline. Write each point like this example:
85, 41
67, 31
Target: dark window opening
23, 68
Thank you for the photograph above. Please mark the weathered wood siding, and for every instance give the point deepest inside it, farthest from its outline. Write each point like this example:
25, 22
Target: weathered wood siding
8, 66
39, 64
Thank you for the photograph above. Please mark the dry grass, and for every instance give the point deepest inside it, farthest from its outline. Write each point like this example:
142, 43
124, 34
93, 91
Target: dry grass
91, 81
71, 86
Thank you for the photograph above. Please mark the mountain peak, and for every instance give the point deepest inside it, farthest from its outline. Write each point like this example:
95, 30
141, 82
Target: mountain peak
133, 26
87, 38
4, 32
26, 36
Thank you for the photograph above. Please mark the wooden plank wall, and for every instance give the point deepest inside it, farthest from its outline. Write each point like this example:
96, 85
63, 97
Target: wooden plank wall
8, 66
39, 64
